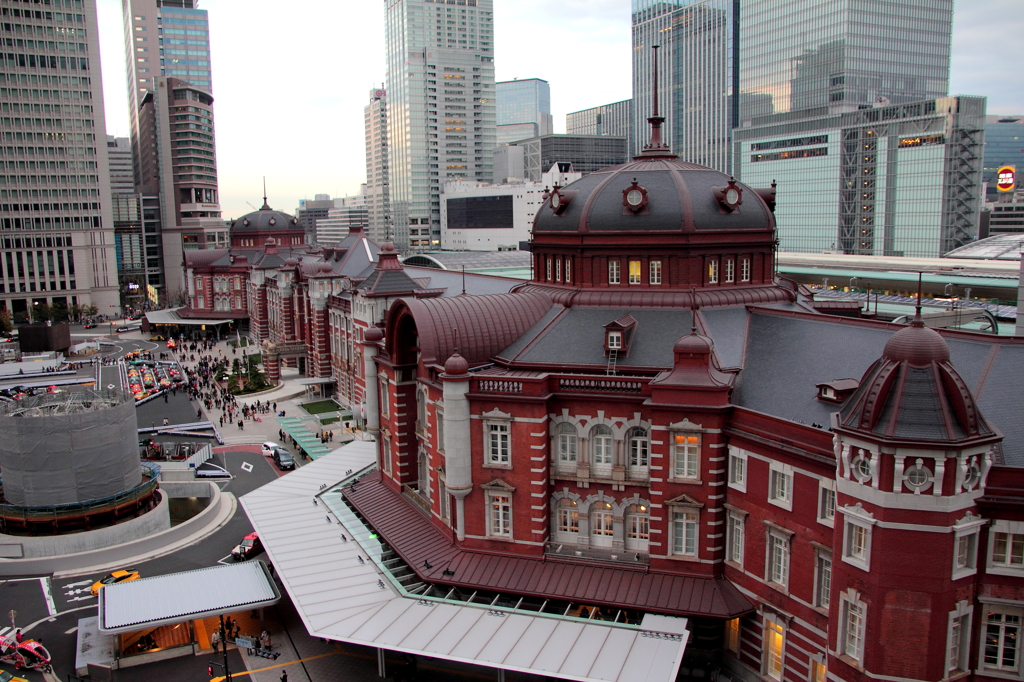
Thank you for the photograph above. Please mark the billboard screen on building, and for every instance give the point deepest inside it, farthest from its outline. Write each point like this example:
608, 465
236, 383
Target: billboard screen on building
472, 213
1006, 179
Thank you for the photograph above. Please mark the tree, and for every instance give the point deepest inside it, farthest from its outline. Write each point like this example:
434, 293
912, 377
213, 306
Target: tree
42, 312
60, 311
6, 320
90, 310
75, 312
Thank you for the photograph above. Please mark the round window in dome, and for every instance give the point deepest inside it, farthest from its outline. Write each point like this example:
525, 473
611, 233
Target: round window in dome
246, 222
861, 468
273, 221
634, 197
972, 474
918, 477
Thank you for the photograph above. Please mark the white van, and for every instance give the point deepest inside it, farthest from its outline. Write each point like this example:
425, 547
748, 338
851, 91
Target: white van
268, 448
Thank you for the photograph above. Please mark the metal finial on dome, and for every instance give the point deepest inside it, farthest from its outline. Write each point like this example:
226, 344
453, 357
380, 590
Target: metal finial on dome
656, 147
265, 206
918, 322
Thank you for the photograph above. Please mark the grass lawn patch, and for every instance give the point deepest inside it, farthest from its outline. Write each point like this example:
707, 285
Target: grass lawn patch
320, 407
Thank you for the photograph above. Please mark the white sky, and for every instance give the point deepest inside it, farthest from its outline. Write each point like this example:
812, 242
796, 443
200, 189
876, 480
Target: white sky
291, 80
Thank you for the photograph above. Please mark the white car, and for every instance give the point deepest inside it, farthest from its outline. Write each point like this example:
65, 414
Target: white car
268, 448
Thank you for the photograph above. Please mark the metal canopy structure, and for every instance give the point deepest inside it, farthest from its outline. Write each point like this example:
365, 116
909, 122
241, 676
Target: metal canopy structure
171, 316
349, 590
316, 380
309, 442
179, 597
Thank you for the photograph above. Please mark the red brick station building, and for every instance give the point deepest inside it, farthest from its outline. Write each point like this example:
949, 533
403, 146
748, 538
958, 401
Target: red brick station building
657, 424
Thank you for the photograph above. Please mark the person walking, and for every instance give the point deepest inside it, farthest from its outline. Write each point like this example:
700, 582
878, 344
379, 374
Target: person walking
284, 676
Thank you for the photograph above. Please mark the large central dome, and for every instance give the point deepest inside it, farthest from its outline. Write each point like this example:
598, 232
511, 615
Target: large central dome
677, 196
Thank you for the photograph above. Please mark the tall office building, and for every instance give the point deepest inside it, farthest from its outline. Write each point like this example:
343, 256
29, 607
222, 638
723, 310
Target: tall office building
838, 55
699, 72
163, 38
378, 191
586, 154
900, 180
57, 244
441, 116
1004, 146
167, 52
523, 109
119, 160
608, 119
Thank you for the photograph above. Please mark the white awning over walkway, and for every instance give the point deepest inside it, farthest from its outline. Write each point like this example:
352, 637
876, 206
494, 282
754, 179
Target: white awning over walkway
170, 316
342, 593
178, 597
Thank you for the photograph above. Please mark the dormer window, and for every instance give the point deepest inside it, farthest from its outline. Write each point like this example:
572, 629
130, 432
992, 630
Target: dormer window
618, 335
837, 391
634, 272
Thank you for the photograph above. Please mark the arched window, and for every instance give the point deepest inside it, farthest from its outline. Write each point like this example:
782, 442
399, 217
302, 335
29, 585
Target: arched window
601, 450
566, 443
567, 520
421, 407
601, 525
423, 474
638, 527
639, 451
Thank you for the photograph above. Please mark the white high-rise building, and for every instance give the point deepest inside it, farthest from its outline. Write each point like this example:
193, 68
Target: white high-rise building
119, 158
57, 244
441, 111
378, 190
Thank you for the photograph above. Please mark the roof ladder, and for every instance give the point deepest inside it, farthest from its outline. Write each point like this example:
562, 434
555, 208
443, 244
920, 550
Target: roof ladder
613, 356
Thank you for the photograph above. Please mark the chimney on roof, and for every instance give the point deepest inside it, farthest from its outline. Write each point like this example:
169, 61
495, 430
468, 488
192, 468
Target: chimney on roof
270, 246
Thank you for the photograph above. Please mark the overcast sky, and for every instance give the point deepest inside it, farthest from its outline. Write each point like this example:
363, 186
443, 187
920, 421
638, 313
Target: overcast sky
291, 80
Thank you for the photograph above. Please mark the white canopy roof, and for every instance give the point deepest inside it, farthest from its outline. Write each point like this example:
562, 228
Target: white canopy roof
177, 597
341, 598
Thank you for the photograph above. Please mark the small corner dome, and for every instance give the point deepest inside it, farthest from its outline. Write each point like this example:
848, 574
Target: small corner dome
919, 346
693, 343
374, 334
291, 262
325, 268
456, 365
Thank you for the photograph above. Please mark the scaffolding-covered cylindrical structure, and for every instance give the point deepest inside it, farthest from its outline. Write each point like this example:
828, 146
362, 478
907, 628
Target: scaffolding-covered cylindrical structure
68, 448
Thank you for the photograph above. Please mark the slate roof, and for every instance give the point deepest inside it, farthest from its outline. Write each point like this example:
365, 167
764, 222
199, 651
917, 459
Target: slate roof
575, 336
416, 540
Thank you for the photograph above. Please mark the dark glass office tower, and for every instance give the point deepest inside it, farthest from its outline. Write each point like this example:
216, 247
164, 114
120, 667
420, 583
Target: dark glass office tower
838, 55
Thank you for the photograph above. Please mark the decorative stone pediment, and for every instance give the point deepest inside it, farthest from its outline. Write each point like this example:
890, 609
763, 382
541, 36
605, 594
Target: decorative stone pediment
498, 484
496, 414
686, 425
684, 500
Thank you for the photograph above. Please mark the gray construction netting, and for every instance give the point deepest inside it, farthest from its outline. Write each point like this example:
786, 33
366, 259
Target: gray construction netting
53, 459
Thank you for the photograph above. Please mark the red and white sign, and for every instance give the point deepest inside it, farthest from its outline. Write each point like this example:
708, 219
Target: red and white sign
1006, 178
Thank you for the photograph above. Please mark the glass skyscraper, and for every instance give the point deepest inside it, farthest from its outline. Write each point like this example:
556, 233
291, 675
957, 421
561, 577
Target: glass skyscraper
441, 112
838, 55
608, 119
523, 109
1004, 146
697, 63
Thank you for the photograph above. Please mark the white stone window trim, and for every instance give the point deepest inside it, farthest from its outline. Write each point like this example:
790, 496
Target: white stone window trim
1005, 607
683, 505
777, 532
821, 598
849, 600
777, 494
735, 516
958, 653
493, 491
968, 530
496, 418
826, 487
856, 517
1011, 528
769, 620
673, 455
738, 469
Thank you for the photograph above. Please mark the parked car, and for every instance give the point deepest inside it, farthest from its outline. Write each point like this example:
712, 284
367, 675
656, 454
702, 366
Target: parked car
89, 325
269, 447
121, 576
249, 546
283, 459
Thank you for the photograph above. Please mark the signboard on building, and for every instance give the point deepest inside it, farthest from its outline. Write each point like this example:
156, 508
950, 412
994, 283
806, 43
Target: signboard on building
152, 294
1006, 178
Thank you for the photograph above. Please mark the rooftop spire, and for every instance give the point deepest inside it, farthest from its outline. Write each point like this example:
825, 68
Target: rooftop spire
656, 147
265, 206
918, 322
